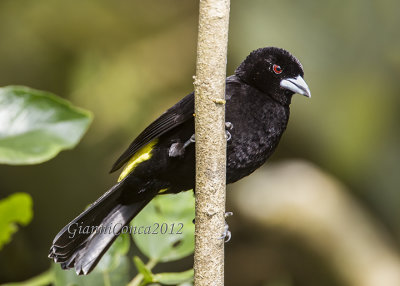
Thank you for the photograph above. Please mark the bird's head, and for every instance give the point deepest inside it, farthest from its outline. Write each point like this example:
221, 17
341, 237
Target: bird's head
275, 72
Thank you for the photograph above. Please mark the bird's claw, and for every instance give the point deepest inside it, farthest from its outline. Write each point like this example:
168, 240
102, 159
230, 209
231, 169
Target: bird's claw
228, 126
226, 235
228, 135
228, 214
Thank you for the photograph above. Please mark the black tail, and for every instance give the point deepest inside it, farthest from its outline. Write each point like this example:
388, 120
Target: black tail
83, 242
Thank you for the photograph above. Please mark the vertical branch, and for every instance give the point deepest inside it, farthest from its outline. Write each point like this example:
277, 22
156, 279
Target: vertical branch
210, 142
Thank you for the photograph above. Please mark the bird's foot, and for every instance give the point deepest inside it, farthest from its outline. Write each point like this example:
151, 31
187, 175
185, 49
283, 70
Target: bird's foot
226, 235
228, 126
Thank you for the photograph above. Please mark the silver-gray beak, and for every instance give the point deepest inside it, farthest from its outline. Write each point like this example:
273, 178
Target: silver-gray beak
297, 85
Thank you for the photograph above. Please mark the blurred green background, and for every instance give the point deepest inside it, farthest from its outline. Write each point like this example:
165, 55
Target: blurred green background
128, 61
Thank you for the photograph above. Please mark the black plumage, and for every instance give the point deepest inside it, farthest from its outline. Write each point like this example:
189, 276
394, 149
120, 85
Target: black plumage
258, 96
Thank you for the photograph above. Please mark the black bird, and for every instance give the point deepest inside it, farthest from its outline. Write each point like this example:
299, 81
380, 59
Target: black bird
162, 158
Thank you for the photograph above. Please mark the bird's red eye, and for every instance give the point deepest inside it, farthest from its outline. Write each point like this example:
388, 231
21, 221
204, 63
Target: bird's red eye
277, 69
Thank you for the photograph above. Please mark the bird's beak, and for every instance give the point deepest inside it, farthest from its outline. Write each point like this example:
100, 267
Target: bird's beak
297, 85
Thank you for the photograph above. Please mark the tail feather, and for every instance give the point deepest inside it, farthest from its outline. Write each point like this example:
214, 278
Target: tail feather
84, 249
90, 255
88, 217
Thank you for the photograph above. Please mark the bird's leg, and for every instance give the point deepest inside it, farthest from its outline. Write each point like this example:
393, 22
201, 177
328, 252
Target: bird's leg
228, 126
178, 149
190, 141
227, 235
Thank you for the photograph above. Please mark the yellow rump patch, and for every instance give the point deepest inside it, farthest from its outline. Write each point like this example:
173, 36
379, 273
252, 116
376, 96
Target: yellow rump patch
140, 156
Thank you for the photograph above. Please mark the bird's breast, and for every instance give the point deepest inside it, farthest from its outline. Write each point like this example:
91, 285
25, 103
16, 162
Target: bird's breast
254, 137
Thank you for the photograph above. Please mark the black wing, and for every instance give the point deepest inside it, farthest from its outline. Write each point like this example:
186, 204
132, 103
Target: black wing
176, 115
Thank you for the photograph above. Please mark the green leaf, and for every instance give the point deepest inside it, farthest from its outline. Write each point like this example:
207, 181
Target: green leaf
174, 278
36, 125
113, 268
141, 267
164, 230
186, 284
17, 208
